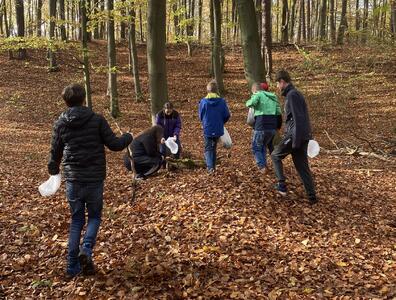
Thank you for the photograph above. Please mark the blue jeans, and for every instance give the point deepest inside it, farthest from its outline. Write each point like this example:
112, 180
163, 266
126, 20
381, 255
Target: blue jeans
261, 139
210, 152
80, 196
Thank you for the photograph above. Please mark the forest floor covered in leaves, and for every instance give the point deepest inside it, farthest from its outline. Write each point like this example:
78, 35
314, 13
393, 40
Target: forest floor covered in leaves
190, 235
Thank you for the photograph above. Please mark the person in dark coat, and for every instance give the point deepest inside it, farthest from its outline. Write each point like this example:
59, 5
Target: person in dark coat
169, 119
297, 136
78, 141
147, 158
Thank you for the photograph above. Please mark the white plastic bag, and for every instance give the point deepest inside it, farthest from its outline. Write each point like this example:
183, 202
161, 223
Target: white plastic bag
172, 145
250, 120
226, 139
313, 148
50, 187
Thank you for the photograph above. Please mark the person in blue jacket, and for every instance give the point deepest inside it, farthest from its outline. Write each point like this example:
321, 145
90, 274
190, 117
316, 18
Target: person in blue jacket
213, 113
169, 119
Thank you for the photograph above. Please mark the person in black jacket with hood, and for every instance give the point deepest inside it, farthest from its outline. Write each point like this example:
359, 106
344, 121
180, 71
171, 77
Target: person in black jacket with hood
147, 158
297, 136
78, 141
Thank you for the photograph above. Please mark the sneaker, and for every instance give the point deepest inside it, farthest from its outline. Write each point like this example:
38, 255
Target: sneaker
211, 171
281, 188
86, 263
139, 177
264, 170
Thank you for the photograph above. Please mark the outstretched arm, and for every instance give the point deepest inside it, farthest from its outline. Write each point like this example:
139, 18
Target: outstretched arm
111, 141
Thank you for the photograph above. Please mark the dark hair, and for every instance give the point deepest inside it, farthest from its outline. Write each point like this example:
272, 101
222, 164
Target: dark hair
74, 95
168, 105
212, 86
283, 75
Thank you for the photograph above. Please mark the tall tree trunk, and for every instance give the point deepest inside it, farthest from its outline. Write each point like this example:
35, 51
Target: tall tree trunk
343, 23
259, 13
62, 17
176, 20
141, 24
393, 19
277, 20
309, 29
254, 67
332, 23
102, 27
122, 25
156, 55
217, 70
199, 21
51, 51
285, 22
20, 19
1, 17
357, 18
365, 21
292, 19
211, 36
111, 50
303, 18
87, 81
133, 53
266, 42
322, 19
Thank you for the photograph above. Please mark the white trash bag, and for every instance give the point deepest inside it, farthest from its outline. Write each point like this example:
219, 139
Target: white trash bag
50, 187
313, 148
172, 145
226, 139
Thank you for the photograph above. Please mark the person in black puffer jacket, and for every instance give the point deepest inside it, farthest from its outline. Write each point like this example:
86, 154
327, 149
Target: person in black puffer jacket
147, 158
78, 141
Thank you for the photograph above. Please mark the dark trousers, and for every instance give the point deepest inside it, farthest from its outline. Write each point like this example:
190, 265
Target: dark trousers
300, 160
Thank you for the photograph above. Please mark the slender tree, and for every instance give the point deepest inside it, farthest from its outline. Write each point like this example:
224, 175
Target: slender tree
62, 18
332, 23
365, 20
393, 19
254, 67
285, 22
156, 38
87, 81
266, 42
133, 57
122, 23
309, 28
292, 19
343, 24
111, 50
217, 70
322, 20
51, 51
200, 20
39, 21
20, 19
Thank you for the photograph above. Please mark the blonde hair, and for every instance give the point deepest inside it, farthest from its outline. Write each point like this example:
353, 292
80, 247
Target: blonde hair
212, 87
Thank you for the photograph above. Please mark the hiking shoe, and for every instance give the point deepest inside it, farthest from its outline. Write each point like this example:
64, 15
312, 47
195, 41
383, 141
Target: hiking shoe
281, 188
86, 263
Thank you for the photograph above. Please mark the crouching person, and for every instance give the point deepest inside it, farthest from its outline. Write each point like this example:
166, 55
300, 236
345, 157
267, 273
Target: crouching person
169, 120
79, 137
147, 158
